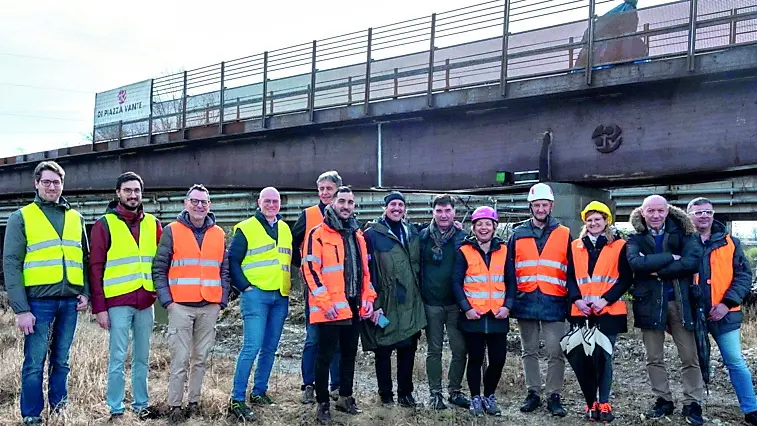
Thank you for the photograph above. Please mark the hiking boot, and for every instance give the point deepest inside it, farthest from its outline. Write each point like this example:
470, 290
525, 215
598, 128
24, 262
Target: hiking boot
324, 413
554, 406
476, 407
591, 413
147, 413
241, 411
387, 399
459, 399
692, 413
407, 401
751, 418
532, 402
176, 415
437, 402
490, 406
261, 399
605, 413
334, 394
661, 408
32, 421
117, 418
193, 409
308, 395
346, 404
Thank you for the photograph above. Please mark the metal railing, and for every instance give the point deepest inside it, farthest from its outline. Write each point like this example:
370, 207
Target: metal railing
462, 48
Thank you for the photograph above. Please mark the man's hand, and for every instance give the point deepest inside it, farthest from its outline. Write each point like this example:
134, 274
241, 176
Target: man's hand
368, 310
331, 314
718, 312
376, 314
598, 305
103, 320
502, 313
26, 322
472, 314
676, 257
583, 307
83, 303
458, 224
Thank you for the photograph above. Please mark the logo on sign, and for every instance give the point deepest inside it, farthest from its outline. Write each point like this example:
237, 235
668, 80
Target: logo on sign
121, 96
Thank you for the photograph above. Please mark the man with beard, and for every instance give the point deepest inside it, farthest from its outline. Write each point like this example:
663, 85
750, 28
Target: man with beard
394, 253
327, 184
539, 253
336, 271
124, 242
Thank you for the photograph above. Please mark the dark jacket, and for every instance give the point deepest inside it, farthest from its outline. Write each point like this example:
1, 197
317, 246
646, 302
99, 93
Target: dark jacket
488, 323
299, 237
14, 253
649, 310
740, 286
394, 275
608, 324
436, 276
100, 244
238, 251
162, 262
537, 305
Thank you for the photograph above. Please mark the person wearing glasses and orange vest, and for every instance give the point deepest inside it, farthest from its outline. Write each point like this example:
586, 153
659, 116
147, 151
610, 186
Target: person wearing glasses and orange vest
725, 278
603, 275
45, 256
190, 273
327, 184
337, 274
123, 245
485, 297
539, 254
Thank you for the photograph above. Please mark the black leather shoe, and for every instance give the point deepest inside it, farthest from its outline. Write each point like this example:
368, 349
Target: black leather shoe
532, 402
554, 405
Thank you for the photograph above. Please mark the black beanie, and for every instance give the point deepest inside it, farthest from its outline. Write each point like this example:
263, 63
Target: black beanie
394, 195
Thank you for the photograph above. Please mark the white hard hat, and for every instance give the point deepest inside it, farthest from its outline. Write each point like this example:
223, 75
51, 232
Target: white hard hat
540, 191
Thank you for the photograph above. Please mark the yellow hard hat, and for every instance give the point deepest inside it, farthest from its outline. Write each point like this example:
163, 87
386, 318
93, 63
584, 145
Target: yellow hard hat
597, 207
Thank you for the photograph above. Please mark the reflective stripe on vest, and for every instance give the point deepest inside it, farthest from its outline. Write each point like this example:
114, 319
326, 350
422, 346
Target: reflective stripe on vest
605, 275
266, 263
195, 272
128, 266
484, 286
546, 271
721, 271
47, 254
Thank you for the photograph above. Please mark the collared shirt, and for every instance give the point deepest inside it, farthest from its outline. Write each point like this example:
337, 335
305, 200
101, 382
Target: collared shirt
656, 233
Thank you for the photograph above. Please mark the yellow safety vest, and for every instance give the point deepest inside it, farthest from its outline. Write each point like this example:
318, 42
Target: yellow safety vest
266, 264
128, 266
47, 253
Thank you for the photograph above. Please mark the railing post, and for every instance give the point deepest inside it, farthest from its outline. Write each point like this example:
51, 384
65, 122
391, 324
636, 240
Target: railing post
692, 34
446, 75
570, 53
367, 102
221, 98
270, 96
264, 122
349, 90
646, 35
430, 90
149, 120
396, 83
184, 108
590, 44
120, 132
505, 43
311, 92
238, 112
732, 34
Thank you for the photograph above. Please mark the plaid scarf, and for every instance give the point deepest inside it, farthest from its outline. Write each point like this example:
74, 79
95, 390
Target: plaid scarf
439, 240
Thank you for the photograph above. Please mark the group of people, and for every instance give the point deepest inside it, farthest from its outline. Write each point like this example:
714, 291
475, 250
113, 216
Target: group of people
380, 284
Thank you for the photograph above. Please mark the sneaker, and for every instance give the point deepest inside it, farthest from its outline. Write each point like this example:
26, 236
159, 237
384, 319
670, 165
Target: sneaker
692, 413
436, 402
532, 402
176, 415
407, 401
334, 394
261, 399
308, 395
116, 418
554, 406
751, 418
241, 411
591, 413
476, 407
459, 399
490, 406
605, 413
32, 421
661, 408
193, 409
346, 404
147, 413
324, 413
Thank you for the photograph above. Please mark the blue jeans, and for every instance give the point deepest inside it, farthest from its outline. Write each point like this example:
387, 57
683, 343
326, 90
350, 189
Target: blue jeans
54, 332
263, 315
122, 320
741, 378
310, 351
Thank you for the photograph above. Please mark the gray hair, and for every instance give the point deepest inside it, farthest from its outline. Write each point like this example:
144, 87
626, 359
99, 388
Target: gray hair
697, 202
331, 175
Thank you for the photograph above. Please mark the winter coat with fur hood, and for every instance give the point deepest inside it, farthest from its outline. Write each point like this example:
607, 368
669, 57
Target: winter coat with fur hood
679, 238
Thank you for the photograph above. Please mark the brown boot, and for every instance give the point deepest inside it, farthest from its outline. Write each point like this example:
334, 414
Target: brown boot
324, 414
346, 404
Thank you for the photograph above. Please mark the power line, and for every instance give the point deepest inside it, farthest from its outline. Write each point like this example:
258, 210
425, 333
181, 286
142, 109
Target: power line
41, 58
60, 89
44, 117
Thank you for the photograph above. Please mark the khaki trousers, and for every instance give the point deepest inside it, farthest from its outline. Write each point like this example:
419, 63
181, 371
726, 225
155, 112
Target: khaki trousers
529, 337
654, 344
191, 335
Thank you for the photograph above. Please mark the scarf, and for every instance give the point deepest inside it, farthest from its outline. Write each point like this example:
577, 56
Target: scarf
439, 240
352, 263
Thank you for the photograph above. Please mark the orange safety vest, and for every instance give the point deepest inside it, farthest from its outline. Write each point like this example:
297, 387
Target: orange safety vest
485, 286
313, 218
604, 276
195, 273
323, 269
547, 271
721, 272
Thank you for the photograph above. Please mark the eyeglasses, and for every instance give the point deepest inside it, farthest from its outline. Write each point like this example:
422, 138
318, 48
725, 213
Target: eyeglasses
195, 202
700, 213
129, 191
46, 183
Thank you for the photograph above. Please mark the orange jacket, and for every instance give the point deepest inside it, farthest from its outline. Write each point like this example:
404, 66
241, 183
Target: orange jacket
195, 272
485, 287
721, 272
323, 270
605, 275
548, 271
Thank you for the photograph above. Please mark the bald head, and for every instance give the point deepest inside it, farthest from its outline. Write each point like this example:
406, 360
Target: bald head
654, 209
654, 199
269, 202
